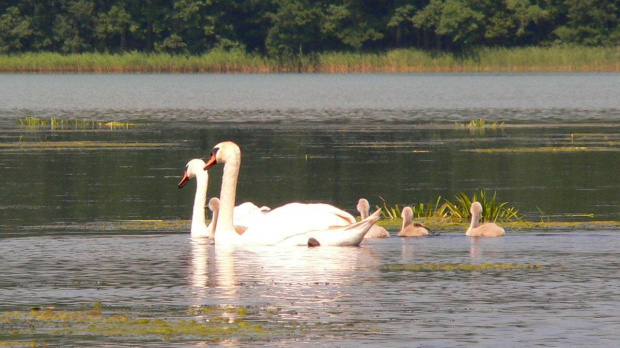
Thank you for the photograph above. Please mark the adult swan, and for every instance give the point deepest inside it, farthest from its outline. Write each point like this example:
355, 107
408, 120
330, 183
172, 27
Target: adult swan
291, 224
244, 213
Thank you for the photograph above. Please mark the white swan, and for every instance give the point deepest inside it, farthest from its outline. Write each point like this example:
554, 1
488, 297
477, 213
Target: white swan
485, 230
291, 224
244, 214
194, 169
409, 228
363, 207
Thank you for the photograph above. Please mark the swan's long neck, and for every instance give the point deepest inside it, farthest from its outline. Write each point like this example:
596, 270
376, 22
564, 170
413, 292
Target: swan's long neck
224, 230
199, 224
211, 228
406, 219
475, 220
364, 212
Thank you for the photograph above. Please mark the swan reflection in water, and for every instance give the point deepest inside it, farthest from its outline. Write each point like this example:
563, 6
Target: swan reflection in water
280, 276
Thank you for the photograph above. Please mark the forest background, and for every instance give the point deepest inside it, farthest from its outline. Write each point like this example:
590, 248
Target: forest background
309, 35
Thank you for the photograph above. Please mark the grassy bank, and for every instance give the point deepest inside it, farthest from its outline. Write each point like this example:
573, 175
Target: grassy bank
534, 59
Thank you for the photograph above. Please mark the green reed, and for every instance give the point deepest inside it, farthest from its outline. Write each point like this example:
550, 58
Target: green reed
458, 209
551, 59
53, 123
492, 210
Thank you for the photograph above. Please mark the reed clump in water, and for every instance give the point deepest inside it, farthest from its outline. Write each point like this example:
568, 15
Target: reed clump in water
32, 122
492, 210
458, 209
524, 59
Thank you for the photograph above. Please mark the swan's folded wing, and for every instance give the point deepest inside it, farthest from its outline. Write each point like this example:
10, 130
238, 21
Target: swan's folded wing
293, 219
349, 235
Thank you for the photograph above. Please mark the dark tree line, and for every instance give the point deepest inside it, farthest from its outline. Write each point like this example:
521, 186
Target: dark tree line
291, 27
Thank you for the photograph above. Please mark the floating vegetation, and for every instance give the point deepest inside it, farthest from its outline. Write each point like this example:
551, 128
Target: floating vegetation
205, 323
432, 267
482, 123
478, 126
550, 149
78, 145
53, 123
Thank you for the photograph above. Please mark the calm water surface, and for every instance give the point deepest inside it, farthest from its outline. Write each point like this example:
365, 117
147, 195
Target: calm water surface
331, 138
349, 292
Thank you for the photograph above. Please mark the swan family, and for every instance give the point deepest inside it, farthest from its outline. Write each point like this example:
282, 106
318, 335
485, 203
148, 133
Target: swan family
295, 223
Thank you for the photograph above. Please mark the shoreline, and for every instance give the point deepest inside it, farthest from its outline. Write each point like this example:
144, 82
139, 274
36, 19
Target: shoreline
483, 60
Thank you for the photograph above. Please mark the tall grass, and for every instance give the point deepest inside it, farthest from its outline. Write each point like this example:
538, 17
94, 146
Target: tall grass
492, 210
215, 62
547, 59
458, 208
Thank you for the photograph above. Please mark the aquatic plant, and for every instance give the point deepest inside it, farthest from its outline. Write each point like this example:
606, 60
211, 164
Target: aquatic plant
78, 145
389, 212
430, 267
206, 323
420, 210
550, 149
492, 210
479, 126
32, 122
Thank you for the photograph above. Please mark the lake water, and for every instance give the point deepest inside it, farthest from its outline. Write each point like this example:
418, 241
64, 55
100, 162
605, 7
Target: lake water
331, 138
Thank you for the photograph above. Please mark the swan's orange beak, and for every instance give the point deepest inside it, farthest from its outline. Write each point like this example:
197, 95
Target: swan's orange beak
183, 181
211, 162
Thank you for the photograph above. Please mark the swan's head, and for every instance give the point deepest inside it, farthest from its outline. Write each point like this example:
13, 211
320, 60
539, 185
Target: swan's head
363, 205
222, 153
193, 168
214, 204
476, 209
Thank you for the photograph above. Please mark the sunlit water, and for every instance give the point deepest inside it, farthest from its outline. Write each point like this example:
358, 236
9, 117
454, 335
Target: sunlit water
570, 300
331, 138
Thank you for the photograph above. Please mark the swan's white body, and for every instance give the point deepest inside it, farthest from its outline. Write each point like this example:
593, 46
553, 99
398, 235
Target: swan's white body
485, 230
291, 224
244, 214
363, 207
410, 228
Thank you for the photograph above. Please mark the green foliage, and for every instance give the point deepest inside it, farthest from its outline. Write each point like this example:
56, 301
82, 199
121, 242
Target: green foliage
296, 28
389, 212
14, 30
482, 123
591, 22
421, 210
236, 59
492, 210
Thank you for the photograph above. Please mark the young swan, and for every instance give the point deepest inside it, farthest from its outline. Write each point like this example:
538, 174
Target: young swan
214, 206
363, 207
410, 229
485, 230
